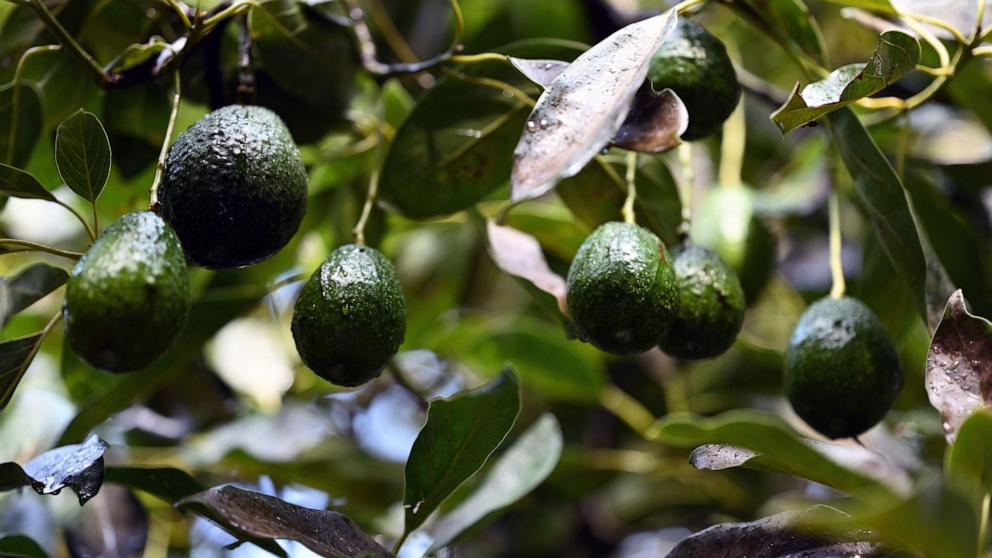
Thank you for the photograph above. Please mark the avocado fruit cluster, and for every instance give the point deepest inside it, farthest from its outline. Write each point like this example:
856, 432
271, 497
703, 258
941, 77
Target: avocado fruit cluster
695, 65
234, 187
842, 371
128, 297
350, 317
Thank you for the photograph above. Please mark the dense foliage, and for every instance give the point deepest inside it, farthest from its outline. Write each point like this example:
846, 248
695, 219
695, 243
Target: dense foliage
412, 307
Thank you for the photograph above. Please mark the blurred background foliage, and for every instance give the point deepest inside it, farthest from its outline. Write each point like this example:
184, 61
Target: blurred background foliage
233, 402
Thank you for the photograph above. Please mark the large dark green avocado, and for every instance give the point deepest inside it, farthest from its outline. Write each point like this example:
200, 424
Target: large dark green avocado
350, 318
695, 65
622, 294
726, 224
842, 372
128, 297
711, 305
234, 188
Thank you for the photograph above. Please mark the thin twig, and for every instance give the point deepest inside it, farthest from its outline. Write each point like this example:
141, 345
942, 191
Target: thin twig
370, 197
732, 146
836, 247
246, 75
28, 246
685, 189
53, 25
627, 409
493, 83
628, 205
91, 231
164, 152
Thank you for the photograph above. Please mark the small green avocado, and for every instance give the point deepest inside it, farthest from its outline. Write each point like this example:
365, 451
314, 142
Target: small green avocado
622, 293
726, 224
711, 305
695, 65
128, 297
234, 188
350, 318
842, 372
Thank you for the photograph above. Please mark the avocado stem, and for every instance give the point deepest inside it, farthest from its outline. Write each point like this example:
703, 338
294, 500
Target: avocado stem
685, 189
732, 147
628, 205
166, 142
836, 247
359, 230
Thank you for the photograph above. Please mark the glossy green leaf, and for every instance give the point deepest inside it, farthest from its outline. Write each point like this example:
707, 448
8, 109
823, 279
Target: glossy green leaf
165, 483
969, 461
254, 516
895, 54
137, 54
597, 194
82, 152
295, 49
15, 357
19, 183
20, 122
779, 446
77, 466
20, 546
520, 469
459, 436
959, 365
885, 201
27, 287
63, 84
454, 149
794, 20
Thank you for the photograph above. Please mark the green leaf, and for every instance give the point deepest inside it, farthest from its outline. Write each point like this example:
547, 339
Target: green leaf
779, 446
459, 436
63, 84
531, 458
15, 357
794, 20
165, 483
454, 149
17, 143
19, 183
959, 365
82, 153
969, 460
885, 200
77, 466
597, 194
257, 517
895, 54
137, 54
295, 49
27, 287
20, 546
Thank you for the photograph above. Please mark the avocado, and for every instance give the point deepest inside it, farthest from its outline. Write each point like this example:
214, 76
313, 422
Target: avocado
725, 223
234, 188
350, 317
622, 294
711, 305
695, 65
128, 297
842, 372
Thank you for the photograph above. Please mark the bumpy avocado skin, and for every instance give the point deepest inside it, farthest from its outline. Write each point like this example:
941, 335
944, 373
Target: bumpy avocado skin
711, 305
128, 297
622, 293
350, 317
234, 188
695, 65
842, 372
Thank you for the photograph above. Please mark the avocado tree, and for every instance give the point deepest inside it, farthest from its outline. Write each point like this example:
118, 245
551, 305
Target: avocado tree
413, 278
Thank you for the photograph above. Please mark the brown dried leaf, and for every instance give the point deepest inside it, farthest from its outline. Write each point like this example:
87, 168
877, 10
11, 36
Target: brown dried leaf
655, 123
578, 114
252, 515
519, 254
959, 365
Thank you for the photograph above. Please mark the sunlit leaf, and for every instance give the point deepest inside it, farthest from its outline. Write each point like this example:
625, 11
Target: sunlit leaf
959, 365
27, 287
78, 467
520, 469
82, 152
583, 108
459, 436
895, 54
253, 516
